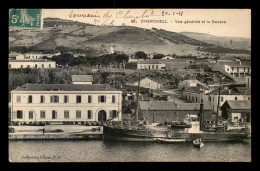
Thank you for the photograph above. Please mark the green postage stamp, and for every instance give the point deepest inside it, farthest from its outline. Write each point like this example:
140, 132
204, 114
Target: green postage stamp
25, 18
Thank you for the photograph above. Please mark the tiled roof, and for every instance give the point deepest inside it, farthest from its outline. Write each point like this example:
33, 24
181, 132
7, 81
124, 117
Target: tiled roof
149, 62
157, 105
244, 90
193, 106
192, 89
224, 92
239, 104
164, 105
65, 87
35, 60
82, 78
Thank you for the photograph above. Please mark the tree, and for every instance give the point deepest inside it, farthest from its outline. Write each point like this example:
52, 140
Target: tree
158, 56
140, 55
122, 58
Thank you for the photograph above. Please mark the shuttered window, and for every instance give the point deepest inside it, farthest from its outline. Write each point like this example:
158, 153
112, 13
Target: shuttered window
19, 114
30, 99
89, 114
89, 99
30, 115
42, 114
78, 114
112, 114
54, 99
18, 99
66, 99
54, 114
102, 99
78, 99
113, 99
66, 114
42, 99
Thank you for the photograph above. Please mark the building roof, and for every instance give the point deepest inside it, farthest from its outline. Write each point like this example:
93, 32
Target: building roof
151, 61
82, 78
192, 106
193, 89
14, 54
35, 60
136, 79
165, 105
239, 104
224, 91
237, 64
157, 105
243, 90
65, 87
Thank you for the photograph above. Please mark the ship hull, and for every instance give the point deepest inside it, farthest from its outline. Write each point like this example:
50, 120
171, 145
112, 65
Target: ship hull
120, 134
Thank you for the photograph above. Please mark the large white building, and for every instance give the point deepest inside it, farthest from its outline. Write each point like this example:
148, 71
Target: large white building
150, 65
32, 103
236, 69
32, 63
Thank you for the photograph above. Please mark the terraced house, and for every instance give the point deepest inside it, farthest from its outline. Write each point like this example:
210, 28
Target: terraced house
61, 103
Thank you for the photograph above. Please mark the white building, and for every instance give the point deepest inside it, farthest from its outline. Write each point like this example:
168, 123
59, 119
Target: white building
239, 93
150, 65
32, 64
190, 83
82, 79
65, 102
146, 82
236, 69
167, 57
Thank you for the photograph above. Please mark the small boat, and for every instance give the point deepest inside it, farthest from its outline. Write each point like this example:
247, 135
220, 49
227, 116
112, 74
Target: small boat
180, 125
198, 143
169, 140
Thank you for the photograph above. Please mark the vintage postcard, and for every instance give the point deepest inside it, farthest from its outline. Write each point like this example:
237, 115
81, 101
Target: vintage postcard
129, 85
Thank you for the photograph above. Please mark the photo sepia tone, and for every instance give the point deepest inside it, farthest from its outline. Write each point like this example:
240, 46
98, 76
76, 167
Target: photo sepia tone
129, 85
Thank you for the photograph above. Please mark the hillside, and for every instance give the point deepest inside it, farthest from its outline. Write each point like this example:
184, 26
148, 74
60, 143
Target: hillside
76, 35
232, 42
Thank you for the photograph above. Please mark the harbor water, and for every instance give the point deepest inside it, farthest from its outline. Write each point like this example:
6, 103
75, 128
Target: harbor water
112, 151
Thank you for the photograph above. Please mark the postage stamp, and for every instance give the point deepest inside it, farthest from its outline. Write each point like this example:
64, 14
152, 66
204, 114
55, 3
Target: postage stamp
25, 18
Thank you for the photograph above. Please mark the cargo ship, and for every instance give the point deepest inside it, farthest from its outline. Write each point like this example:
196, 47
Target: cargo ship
140, 132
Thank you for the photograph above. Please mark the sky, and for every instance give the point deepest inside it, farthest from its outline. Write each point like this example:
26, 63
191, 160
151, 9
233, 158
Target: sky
218, 22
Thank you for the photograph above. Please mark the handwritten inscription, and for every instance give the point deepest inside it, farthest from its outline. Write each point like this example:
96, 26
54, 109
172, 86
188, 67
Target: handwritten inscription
108, 18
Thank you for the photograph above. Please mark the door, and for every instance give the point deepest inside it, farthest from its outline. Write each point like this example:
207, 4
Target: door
102, 115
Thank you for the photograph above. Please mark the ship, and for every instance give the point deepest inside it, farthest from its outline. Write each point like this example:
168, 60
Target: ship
139, 132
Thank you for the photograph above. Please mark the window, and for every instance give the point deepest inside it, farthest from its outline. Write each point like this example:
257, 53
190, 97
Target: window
42, 99
102, 99
152, 66
42, 65
209, 98
113, 114
21, 66
49, 65
35, 65
235, 98
30, 99
89, 114
42, 114
89, 99
78, 114
19, 114
192, 98
140, 66
30, 115
18, 99
78, 99
54, 99
213, 99
10, 66
28, 66
249, 98
222, 99
66, 99
66, 114
54, 114
227, 69
232, 68
196, 99
113, 99
156, 66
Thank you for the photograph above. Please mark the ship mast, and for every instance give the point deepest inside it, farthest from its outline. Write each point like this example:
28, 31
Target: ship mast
137, 100
218, 104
